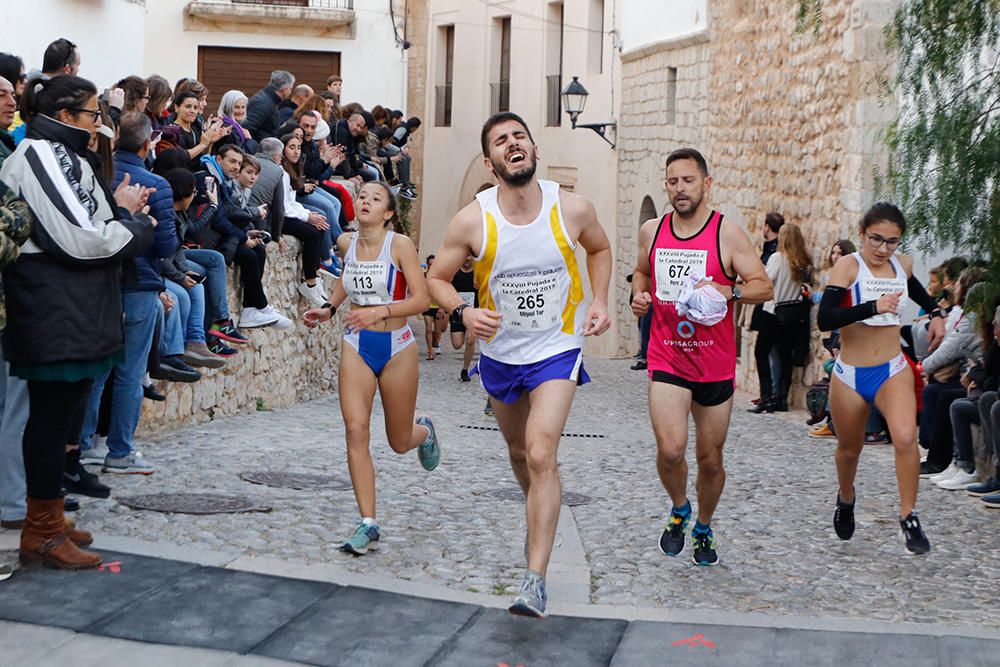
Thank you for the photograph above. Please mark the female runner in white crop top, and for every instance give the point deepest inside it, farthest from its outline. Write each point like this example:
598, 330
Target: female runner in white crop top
863, 298
379, 352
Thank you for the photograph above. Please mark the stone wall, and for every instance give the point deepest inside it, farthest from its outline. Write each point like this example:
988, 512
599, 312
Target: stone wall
277, 369
787, 121
417, 32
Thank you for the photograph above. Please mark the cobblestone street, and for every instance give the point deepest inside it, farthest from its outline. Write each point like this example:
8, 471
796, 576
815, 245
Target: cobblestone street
779, 554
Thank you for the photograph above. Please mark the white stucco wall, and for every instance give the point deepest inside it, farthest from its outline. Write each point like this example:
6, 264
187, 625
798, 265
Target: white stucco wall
646, 22
107, 32
370, 64
122, 37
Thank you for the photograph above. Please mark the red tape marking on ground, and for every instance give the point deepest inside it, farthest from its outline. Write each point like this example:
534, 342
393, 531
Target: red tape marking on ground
696, 640
114, 567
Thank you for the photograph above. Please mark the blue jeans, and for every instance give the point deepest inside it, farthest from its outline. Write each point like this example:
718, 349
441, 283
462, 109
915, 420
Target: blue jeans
645, 322
320, 201
141, 312
190, 302
14, 411
211, 264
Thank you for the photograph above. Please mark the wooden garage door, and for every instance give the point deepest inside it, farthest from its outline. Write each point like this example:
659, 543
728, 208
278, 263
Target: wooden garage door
223, 68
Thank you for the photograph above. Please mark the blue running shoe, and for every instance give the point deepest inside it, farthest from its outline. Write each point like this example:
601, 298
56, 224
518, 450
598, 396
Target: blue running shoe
704, 548
987, 488
530, 601
991, 500
364, 539
429, 452
332, 267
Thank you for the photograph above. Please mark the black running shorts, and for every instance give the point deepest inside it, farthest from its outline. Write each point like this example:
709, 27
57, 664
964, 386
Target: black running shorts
705, 394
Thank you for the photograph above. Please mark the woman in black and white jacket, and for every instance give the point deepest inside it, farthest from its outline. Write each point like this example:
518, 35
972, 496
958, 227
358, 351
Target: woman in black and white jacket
64, 304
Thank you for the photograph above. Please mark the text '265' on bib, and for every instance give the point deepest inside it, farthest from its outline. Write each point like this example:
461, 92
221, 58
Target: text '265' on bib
530, 300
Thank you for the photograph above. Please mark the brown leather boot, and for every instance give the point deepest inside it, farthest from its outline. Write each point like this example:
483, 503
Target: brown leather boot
44, 540
80, 538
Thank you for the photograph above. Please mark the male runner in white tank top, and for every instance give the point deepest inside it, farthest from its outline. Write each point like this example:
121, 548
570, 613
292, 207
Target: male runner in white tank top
530, 320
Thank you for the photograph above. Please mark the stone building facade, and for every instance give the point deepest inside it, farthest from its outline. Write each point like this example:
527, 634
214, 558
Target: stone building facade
788, 121
277, 369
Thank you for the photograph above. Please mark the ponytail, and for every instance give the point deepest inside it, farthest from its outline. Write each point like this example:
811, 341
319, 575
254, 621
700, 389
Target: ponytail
49, 96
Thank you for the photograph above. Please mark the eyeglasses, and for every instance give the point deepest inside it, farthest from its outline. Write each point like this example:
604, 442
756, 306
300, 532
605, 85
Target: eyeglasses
95, 113
876, 242
71, 49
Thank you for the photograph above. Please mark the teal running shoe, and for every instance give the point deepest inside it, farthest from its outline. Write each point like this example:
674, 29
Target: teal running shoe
429, 452
364, 539
530, 601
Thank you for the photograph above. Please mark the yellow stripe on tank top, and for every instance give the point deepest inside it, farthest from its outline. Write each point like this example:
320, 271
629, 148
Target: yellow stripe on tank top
575, 297
482, 269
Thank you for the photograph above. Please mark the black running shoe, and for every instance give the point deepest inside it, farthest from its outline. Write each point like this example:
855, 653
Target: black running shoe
464, 377
916, 541
704, 548
77, 479
672, 539
843, 519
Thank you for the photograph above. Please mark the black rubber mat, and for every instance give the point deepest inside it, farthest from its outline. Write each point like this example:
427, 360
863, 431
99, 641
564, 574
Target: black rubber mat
168, 602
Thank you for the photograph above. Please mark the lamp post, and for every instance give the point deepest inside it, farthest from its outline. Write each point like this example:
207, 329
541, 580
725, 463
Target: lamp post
574, 98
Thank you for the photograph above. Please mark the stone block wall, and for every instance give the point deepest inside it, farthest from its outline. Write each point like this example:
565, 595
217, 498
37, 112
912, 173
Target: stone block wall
277, 369
787, 121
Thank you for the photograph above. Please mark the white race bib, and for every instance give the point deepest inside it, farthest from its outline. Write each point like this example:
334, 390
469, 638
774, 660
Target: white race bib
468, 298
530, 300
872, 289
673, 266
367, 283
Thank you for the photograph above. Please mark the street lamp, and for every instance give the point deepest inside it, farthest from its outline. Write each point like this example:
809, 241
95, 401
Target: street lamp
574, 98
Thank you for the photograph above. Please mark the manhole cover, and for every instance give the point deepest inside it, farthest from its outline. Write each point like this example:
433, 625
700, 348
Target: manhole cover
295, 480
514, 493
473, 427
193, 503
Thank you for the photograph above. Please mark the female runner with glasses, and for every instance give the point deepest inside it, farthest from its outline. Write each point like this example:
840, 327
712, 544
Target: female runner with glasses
863, 299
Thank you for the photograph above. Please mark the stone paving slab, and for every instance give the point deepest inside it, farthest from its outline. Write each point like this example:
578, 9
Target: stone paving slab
211, 608
320, 623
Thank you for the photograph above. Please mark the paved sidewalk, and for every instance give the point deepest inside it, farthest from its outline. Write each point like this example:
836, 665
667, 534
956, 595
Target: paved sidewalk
779, 555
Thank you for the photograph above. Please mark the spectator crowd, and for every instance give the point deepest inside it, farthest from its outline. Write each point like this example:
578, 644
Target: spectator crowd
126, 218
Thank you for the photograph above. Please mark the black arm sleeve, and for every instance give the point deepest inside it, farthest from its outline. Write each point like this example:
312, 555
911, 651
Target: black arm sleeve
915, 290
832, 315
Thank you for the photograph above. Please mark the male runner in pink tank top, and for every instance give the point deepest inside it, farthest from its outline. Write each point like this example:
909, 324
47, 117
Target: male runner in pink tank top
692, 366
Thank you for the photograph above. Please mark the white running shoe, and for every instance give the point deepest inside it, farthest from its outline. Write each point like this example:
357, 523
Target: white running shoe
314, 294
959, 481
281, 322
945, 474
251, 318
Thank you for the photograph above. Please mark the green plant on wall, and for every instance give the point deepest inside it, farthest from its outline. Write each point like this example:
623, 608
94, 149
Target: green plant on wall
405, 206
944, 145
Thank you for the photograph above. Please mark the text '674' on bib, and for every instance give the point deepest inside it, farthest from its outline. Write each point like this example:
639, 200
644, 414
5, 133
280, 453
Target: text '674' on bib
673, 266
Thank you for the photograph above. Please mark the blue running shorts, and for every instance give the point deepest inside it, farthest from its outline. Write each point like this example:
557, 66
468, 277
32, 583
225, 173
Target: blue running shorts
507, 382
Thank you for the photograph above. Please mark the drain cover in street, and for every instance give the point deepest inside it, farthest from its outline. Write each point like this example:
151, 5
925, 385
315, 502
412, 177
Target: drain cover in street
514, 493
295, 480
193, 503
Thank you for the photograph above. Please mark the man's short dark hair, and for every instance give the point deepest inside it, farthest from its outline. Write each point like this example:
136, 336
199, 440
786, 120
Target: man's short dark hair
774, 221
495, 120
383, 133
413, 122
134, 130
229, 148
689, 154
58, 54
396, 113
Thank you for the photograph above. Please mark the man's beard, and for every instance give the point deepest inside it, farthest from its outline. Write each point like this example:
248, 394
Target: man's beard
688, 206
518, 178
